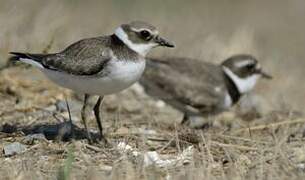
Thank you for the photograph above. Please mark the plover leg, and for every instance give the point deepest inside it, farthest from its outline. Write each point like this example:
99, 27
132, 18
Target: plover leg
84, 117
70, 120
184, 119
97, 114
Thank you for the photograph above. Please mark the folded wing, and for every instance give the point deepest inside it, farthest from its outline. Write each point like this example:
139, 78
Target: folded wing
194, 83
85, 57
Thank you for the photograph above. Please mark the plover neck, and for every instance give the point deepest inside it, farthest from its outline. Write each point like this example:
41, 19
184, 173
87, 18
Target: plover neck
243, 85
122, 52
141, 49
232, 89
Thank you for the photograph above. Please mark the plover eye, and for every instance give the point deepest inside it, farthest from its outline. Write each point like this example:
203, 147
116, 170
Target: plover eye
250, 66
145, 34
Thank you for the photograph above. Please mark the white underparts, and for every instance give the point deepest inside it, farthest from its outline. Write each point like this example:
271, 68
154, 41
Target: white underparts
228, 101
243, 85
31, 62
142, 49
122, 74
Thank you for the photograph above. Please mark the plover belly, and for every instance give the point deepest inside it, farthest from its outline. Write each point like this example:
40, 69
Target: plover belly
121, 75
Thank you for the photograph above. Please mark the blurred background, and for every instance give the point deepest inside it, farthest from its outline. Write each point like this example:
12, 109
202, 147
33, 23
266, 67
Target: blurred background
273, 31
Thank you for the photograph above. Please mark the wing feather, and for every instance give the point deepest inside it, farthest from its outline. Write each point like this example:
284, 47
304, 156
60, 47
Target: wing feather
194, 83
85, 57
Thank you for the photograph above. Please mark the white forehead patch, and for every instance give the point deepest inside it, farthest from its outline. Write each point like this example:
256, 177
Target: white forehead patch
243, 85
142, 49
243, 63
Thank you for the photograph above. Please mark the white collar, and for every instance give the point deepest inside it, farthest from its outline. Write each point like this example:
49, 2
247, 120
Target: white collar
243, 85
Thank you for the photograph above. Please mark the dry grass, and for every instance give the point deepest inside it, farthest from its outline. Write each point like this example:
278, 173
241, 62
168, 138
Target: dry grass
268, 147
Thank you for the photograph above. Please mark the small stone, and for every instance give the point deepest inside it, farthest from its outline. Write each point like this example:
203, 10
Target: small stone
160, 104
151, 158
122, 131
51, 108
298, 154
301, 166
30, 139
131, 106
146, 131
106, 168
14, 148
137, 88
61, 106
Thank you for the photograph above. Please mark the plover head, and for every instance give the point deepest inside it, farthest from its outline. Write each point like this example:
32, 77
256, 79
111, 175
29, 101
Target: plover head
141, 37
244, 70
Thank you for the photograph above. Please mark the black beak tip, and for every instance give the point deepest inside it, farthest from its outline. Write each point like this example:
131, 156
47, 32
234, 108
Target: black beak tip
171, 45
163, 42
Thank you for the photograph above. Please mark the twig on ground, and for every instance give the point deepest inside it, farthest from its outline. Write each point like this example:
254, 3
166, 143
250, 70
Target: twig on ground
240, 147
272, 125
97, 150
167, 144
240, 138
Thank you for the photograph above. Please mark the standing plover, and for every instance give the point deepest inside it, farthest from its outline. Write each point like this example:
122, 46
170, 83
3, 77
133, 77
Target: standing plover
199, 88
100, 65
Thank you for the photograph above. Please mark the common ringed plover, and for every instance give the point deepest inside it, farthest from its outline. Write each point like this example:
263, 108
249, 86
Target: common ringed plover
100, 65
198, 88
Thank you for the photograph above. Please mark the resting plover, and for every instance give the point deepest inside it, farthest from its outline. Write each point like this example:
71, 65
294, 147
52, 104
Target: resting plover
100, 65
199, 88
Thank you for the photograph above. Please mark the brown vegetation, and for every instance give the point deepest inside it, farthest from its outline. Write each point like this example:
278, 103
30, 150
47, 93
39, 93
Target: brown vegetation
271, 146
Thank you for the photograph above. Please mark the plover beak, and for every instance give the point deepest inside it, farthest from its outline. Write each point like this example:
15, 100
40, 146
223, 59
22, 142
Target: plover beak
163, 42
264, 74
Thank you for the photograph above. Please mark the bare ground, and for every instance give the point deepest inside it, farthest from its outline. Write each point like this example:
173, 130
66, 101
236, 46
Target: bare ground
271, 146
145, 138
